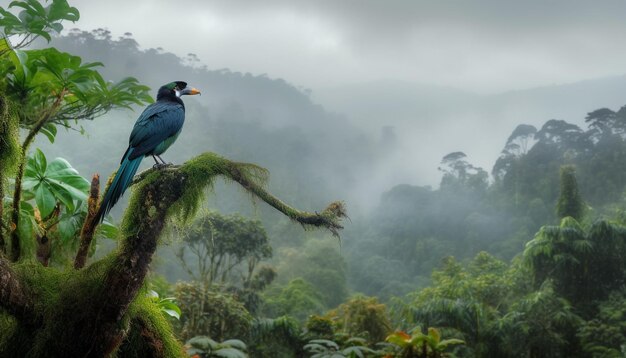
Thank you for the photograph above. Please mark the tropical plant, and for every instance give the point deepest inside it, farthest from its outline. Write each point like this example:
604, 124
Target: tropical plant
210, 312
570, 202
420, 345
362, 316
50, 88
53, 207
325, 348
205, 347
281, 336
35, 20
167, 305
540, 324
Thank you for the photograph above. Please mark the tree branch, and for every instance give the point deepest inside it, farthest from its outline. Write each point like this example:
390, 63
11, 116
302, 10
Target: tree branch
87, 232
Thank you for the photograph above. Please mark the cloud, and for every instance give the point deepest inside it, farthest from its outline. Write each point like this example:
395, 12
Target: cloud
484, 45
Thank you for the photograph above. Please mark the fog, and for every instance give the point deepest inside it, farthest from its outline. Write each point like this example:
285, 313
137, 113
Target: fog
479, 46
443, 76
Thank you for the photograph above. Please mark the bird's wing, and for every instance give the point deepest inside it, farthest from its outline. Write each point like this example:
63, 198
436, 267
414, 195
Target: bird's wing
157, 123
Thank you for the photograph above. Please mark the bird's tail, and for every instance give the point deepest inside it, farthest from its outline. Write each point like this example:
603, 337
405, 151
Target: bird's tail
122, 180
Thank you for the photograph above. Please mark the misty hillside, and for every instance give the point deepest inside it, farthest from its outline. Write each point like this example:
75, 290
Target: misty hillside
434, 121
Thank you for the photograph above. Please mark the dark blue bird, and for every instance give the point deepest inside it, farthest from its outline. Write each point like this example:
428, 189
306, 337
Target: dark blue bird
156, 130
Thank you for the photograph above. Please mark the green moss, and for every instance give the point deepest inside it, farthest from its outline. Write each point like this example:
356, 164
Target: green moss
152, 319
10, 150
200, 173
63, 299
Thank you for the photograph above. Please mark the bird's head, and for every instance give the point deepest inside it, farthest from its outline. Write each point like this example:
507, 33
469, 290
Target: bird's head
175, 90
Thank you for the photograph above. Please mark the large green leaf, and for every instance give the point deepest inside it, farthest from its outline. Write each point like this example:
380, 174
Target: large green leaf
45, 200
235, 343
229, 353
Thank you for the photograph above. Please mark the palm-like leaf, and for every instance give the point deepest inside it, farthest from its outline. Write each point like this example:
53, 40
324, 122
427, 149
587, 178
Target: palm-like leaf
53, 183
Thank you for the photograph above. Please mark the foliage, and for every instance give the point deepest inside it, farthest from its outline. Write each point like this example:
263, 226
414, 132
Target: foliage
570, 203
468, 302
56, 88
205, 347
281, 336
420, 345
584, 265
540, 324
298, 299
324, 348
222, 245
52, 184
35, 20
605, 334
320, 327
320, 264
363, 317
53, 205
167, 305
205, 312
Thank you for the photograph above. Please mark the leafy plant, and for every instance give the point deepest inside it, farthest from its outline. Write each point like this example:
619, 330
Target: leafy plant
53, 203
420, 345
205, 347
167, 305
36, 20
325, 348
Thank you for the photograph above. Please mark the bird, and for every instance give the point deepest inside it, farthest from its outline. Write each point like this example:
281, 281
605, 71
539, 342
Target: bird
156, 129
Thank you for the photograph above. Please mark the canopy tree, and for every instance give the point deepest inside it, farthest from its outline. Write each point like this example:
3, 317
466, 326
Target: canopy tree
98, 310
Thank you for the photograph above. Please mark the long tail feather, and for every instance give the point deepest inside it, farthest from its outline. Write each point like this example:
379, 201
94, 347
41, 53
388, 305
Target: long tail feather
120, 183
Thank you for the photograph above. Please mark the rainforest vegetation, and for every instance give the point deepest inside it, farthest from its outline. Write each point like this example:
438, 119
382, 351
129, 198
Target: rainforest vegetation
525, 260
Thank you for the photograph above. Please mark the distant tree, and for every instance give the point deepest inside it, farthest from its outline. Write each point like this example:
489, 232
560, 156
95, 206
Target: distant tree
222, 246
215, 314
363, 317
584, 266
459, 173
570, 202
508, 165
298, 299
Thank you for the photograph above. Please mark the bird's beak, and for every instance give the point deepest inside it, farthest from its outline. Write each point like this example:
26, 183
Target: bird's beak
189, 91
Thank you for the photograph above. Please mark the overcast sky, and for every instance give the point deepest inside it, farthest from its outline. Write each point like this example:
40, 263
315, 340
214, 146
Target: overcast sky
481, 46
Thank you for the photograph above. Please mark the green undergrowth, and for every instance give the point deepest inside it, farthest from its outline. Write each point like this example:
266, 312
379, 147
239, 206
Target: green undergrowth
65, 299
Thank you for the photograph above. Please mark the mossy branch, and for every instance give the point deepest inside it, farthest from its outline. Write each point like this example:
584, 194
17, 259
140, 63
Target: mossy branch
88, 229
9, 153
252, 178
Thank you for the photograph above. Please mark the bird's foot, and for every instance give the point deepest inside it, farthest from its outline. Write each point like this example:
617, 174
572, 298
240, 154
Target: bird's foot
159, 166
